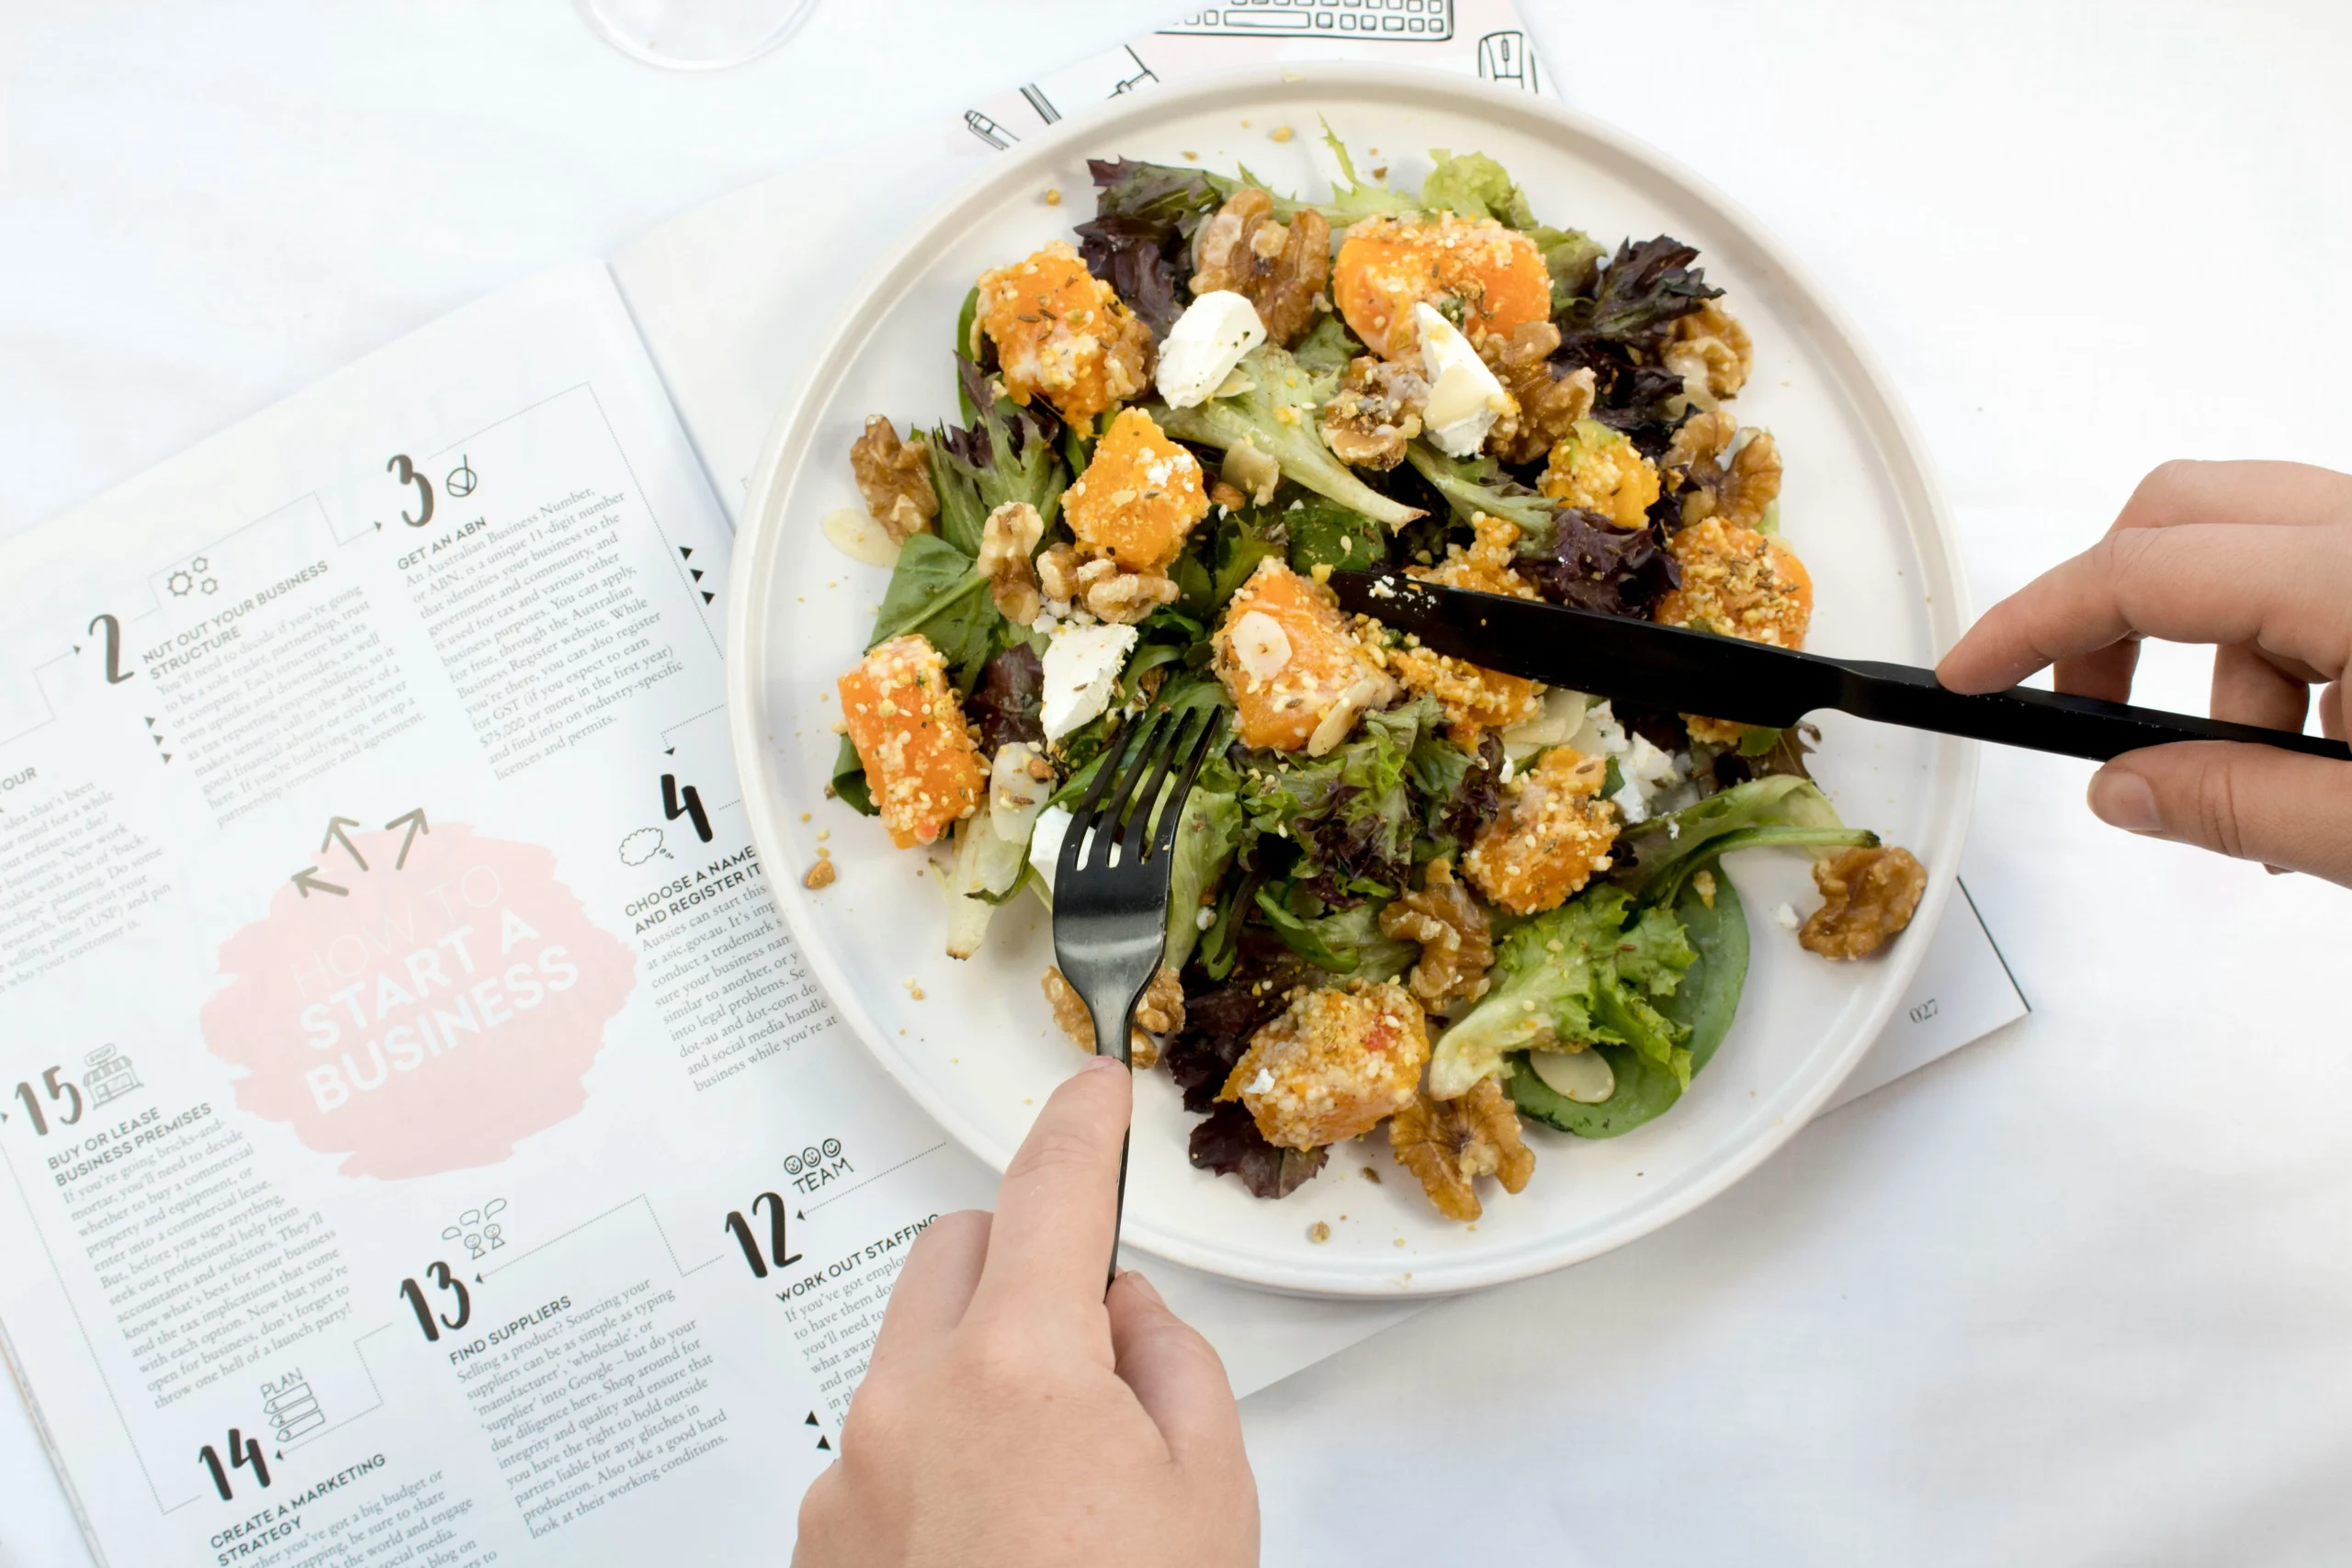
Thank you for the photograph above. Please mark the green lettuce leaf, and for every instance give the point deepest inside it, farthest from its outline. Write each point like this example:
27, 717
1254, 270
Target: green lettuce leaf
1205, 841
1346, 943
1352, 199
1329, 345
1661, 854
1591, 971
1473, 485
1704, 1002
1277, 412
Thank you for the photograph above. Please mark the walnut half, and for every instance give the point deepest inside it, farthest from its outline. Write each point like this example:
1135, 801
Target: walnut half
1281, 268
1711, 353
1159, 1014
1376, 410
1737, 488
1449, 1144
1011, 530
1457, 946
894, 477
1868, 895
1545, 407
1101, 586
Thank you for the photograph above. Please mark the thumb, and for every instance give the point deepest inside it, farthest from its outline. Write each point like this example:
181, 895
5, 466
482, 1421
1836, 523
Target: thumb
1176, 1375
2253, 802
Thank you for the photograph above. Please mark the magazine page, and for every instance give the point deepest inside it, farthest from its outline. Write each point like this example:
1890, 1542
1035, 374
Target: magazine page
421, 1144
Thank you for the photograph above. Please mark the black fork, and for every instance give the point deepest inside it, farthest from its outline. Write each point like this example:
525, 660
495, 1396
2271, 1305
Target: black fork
1111, 880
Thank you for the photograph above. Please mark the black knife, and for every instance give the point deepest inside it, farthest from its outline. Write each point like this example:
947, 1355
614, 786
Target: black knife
1755, 683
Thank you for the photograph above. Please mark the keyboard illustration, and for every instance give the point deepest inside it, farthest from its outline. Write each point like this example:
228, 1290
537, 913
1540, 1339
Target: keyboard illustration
1412, 21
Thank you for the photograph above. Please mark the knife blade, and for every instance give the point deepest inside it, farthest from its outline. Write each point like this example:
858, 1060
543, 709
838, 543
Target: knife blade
1755, 683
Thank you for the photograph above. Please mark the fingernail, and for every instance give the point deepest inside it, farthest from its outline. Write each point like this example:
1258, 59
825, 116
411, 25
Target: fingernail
1100, 1065
2122, 798
1136, 1281
2277, 870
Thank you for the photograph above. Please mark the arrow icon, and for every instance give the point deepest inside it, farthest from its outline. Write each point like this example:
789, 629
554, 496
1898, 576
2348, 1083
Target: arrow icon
812, 1419
308, 879
335, 826
415, 817
824, 1445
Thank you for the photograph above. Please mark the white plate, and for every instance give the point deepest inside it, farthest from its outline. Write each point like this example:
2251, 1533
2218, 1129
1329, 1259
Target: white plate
977, 1048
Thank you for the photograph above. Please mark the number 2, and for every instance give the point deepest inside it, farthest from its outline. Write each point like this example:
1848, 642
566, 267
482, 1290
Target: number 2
116, 673
401, 469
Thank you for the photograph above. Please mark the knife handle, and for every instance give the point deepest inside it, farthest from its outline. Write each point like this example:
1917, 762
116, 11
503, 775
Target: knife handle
2044, 721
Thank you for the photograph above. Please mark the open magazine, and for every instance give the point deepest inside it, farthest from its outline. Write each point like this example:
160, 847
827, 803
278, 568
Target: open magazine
421, 1142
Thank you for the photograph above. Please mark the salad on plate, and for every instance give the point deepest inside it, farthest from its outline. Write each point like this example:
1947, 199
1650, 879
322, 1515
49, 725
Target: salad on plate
1411, 893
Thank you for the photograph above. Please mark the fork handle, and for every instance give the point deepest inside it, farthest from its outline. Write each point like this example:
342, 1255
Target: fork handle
1124, 1038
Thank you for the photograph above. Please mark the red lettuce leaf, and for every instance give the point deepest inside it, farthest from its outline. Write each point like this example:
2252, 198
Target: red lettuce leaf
1229, 1143
1591, 564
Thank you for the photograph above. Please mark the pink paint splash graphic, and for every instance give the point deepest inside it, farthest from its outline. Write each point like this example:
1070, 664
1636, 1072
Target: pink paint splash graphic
432, 1016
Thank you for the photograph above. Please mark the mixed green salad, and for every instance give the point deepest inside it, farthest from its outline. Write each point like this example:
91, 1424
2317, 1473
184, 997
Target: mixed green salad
1411, 892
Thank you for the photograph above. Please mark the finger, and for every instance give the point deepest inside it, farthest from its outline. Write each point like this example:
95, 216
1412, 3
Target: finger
2275, 587
933, 1287
2250, 689
2253, 802
2288, 494
2102, 673
813, 1545
1176, 1375
2335, 711
1050, 1248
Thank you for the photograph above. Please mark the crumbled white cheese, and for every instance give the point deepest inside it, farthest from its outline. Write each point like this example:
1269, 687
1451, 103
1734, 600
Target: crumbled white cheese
1785, 917
1207, 341
1045, 843
1263, 1082
1081, 667
1464, 398
1646, 773
1204, 918
1599, 735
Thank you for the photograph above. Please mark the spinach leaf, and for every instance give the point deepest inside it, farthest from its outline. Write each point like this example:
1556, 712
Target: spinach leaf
937, 591
1645, 1091
849, 780
1324, 532
1708, 998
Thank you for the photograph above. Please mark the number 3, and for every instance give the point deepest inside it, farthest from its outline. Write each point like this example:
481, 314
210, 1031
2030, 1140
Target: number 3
401, 469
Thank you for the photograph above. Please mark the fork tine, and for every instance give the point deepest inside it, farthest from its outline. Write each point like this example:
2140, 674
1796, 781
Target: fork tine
1161, 803
1139, 787
1084, 820
1195, 753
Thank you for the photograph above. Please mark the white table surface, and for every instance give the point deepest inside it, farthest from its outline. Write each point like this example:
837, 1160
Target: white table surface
2081, 1294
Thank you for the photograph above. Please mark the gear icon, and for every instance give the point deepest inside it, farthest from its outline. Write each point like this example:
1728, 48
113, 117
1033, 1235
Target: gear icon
210, 585
181, 584
200, 564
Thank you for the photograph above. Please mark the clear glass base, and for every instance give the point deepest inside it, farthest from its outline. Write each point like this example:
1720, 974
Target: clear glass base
694, 35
